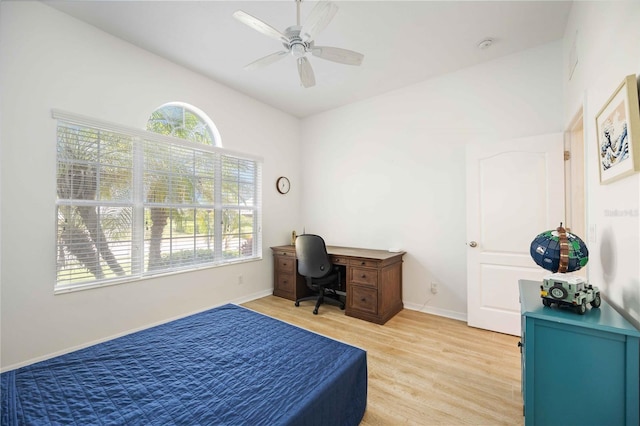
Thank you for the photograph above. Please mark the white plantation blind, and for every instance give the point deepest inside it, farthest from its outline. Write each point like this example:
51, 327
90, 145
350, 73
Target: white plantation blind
132, 203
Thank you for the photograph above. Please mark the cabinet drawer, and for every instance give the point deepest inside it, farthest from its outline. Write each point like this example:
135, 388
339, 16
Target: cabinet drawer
286, 283
363, 262
287, 253
338, 260
364, 276
286, 264
364, 299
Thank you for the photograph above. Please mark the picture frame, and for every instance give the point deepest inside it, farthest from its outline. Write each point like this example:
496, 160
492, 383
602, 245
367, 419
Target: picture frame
618, 133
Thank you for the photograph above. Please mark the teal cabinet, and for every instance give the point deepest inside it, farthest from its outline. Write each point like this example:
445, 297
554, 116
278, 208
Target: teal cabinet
577, 369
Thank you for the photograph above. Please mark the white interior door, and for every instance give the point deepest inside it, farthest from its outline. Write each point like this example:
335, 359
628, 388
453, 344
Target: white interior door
515, 190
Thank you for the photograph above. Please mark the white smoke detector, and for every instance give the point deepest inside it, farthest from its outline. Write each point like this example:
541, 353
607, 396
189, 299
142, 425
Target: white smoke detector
484, 44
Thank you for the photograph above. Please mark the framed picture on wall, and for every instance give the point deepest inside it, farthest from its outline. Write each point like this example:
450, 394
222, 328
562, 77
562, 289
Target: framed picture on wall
618, 133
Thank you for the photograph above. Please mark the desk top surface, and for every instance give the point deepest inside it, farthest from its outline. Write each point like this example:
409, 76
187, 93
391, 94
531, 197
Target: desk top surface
352, 252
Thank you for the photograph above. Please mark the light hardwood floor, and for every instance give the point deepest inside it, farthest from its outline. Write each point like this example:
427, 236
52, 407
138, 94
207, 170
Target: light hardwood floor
423, 369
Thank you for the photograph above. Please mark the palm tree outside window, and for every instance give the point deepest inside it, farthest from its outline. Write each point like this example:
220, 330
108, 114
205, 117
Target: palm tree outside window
132, 204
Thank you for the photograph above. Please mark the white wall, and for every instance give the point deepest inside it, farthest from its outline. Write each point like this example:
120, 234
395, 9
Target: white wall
390, 171
607, 40
384, 172
50, 60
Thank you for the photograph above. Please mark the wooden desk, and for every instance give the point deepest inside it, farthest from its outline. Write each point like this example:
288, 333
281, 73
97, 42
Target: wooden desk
372, 280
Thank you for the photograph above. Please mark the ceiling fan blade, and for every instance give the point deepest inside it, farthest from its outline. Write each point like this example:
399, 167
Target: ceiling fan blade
307, 78
335, 54
267, 60
318, 19
259, 26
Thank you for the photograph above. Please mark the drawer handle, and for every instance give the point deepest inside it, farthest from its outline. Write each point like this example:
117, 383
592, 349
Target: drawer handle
284, 264
284, 253
363, 276
363, 263
363, 300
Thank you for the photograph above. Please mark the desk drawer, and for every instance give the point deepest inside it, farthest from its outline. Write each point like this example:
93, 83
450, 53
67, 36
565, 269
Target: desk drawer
364, 276
363, 299
338, 260
286, 283
363, 262
286, 264
285, 252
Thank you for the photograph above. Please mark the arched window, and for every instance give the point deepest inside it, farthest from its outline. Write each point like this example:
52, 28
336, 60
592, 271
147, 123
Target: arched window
134, 203
184, 121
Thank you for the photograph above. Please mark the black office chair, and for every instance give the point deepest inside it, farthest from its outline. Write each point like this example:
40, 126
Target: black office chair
321, 275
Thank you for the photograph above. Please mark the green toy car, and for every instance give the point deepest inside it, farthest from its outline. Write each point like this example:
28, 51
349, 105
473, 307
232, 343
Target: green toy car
569, 290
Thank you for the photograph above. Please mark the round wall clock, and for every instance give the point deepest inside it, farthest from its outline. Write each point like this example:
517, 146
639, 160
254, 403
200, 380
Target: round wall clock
283, 185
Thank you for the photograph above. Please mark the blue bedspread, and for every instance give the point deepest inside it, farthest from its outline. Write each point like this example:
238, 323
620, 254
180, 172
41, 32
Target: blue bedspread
225, 366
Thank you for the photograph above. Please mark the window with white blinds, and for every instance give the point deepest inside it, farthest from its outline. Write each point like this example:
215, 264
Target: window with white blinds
132, 203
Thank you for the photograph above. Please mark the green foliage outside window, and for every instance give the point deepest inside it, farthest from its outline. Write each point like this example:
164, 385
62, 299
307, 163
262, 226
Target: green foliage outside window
130, 205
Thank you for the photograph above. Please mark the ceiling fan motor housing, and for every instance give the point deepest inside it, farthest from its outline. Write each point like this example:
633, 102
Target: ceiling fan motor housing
296, 46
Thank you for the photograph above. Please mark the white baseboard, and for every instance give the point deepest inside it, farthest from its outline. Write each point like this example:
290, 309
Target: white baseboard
460, 316
250, 297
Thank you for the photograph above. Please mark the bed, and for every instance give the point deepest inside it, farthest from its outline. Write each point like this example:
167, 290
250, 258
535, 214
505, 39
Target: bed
228, 365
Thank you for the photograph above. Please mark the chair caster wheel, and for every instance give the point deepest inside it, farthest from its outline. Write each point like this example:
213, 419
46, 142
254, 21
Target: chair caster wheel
297, 304
315, 312
342, 307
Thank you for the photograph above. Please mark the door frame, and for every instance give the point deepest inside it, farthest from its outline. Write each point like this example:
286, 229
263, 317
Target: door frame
576, 200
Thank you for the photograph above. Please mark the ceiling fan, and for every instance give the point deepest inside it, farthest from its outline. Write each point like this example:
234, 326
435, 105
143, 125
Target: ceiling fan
299, 40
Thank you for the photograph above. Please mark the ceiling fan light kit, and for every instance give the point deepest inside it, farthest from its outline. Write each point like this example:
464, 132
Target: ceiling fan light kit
299, 40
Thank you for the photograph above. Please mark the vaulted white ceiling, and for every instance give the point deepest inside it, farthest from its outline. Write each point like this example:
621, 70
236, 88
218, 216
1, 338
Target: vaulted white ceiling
404, 42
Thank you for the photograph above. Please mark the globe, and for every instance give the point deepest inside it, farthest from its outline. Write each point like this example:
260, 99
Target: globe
559, 251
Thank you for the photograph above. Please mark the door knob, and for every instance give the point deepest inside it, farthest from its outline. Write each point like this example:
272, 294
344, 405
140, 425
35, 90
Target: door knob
473, 244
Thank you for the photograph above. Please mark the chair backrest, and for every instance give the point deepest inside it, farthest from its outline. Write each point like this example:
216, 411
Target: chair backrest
313, 260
